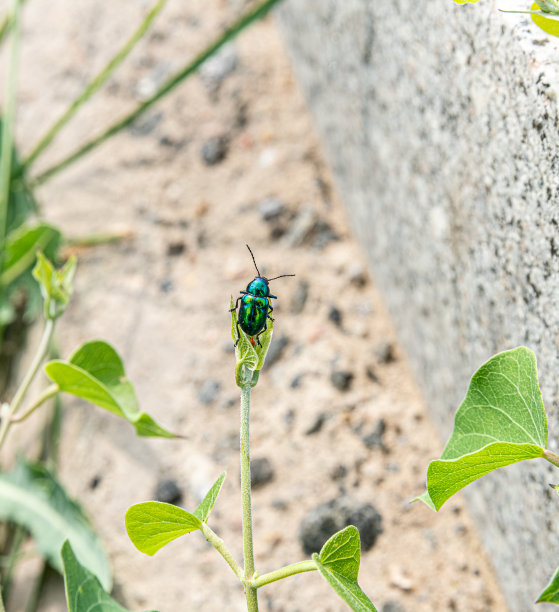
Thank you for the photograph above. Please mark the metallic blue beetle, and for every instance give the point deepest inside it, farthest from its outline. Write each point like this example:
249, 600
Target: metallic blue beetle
255, 305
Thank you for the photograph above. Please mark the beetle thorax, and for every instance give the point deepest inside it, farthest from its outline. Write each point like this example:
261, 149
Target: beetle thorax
259, 287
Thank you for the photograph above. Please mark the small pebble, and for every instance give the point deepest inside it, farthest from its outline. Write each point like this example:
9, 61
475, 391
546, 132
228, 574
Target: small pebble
168, 491
175, 248
166, 285
317, 425
271, 209
341, 379
214, 70
399, 578
261, 472
371, 374
385, 352
302, 227
392, 606
375, 439
300, 297
339, 472
276, 350
335, 316
208, 391
357, 275
214, 150
145, 125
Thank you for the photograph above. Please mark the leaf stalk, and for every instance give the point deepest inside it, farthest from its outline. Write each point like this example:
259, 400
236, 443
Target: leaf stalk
284, 572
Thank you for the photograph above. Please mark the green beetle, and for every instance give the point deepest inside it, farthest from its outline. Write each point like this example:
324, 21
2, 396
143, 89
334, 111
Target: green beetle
255, 305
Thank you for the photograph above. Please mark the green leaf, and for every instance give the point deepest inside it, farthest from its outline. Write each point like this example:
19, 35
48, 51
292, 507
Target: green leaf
551, 592
501, 421
31, 497
95, 373
83, 590
152, 525
56, 285
250, 358
548, 6
547, 18
338, 563
22, 246
204, 509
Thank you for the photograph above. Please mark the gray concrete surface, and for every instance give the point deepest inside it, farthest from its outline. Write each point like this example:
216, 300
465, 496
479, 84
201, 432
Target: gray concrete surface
440, 123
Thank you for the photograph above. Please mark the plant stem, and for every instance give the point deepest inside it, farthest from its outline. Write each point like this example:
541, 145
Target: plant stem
551, 457
49, 392
248, 551
27, 380
284, 572
95, 84
8, 120
219, 545
258, 11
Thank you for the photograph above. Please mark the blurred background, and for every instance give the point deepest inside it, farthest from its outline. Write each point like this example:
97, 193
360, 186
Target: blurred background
159, 216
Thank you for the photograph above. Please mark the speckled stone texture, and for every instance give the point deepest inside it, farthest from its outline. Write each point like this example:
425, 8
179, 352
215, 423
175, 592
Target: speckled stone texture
440, 123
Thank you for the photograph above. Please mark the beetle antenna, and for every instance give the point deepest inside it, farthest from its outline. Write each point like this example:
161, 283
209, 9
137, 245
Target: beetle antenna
281, 276
254, 261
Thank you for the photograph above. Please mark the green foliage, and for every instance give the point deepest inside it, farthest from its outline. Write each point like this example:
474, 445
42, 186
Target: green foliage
56, 285
31, 497
95, 373
204, 509
501, 421
338, 562
152, 525
551, 592
83, 589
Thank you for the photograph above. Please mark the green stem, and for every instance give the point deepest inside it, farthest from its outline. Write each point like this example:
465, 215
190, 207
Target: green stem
2, 608
219, 545
5, 27
27, 380
45, 395
551, 457
95, 84
256, 13
8, 120
284, 572
248, 551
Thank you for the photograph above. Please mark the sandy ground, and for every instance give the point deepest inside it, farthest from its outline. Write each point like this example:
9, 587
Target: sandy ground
161, 296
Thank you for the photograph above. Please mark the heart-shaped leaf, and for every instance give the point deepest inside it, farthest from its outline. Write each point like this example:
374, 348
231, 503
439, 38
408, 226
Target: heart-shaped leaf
83, 589
95, 373
152, 525
338, 562
32, 497
501, 421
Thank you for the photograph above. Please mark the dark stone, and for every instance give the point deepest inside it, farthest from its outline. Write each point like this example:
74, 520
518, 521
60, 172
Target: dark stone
94, 482
296, 382
339, 472
214, 150
168, 491
261, 472
325, 520
317, 425
375, 439
208, 391
271, 209
357, 276
175, 248
276, 350
146, 124
300, 297
341, 379
385, 352
335, 316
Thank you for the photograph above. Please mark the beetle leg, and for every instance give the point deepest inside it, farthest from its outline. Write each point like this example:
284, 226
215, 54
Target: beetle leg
238, 334
260, 333
236, 304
